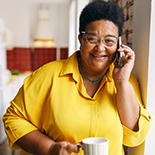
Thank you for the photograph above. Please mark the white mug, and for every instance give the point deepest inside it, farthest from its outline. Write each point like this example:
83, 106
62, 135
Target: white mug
95, 146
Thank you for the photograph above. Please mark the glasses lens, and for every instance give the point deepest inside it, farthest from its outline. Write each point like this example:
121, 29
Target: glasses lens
110, 41
91, 38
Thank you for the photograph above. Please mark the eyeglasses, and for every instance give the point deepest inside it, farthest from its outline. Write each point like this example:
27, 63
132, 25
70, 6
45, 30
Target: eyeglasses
93, 38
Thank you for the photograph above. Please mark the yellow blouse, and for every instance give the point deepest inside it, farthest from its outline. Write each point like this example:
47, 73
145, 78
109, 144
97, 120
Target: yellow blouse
54, 100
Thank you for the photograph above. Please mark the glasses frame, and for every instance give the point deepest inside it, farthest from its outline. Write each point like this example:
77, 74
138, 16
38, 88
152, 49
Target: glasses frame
83, 32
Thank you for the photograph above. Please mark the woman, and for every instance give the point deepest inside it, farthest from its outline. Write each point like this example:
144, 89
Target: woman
83, 96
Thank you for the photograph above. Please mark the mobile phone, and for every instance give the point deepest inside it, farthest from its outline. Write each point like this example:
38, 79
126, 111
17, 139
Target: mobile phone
119, 54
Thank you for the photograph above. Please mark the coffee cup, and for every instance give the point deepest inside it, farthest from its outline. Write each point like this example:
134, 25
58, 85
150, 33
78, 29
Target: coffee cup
94, 146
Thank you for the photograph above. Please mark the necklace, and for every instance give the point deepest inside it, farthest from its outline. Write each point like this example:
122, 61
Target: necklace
88, 79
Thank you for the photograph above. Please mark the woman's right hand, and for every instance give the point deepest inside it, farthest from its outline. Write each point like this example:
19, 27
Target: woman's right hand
63, 148
38, 143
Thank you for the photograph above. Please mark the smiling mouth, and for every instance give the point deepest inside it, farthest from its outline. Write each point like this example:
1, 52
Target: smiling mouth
99, 56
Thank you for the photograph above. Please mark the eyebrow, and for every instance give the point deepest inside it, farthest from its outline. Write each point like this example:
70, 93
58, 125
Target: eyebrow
109, 35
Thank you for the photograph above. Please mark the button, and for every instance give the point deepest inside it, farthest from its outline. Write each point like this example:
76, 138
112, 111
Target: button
149, 117
7, 128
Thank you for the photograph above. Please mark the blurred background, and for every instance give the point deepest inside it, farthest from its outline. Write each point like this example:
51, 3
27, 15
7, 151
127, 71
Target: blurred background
35, 32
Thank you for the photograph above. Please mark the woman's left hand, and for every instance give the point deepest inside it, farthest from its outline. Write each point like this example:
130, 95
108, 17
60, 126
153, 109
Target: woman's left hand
128, 58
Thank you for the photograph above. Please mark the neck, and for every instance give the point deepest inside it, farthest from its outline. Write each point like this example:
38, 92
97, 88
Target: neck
97, 80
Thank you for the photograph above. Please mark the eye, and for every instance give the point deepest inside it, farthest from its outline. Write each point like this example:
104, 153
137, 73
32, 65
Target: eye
92, 38
110, 40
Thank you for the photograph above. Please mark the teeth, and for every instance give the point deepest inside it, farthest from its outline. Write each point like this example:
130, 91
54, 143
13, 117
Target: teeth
98, 56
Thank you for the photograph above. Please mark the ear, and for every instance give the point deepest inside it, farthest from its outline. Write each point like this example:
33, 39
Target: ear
79, 38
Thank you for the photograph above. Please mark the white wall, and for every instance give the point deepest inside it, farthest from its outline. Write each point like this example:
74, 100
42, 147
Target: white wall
141, 33
76, 7
150, 141
15, 16
59, 21
80, 5
21, 18
144, 45
72, 27
2, 79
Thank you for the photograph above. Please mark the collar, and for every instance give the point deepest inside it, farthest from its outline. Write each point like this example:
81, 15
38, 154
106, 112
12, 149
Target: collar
110, 73
71, 67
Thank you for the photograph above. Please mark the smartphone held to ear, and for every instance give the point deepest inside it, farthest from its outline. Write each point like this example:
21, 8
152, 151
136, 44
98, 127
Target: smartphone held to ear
119, 54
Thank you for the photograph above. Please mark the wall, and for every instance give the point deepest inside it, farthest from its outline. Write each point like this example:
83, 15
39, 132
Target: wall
59, 20
143, 44
76, 7
19, 59
21, 18
139, 33
72, 27
127, 7
2, 89
16, 17
2, 79
28, 59
150, 141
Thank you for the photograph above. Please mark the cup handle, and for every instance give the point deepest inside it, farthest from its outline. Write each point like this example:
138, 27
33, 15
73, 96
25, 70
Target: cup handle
78, 144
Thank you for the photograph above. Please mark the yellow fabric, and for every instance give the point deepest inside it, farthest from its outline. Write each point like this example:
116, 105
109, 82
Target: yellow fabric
54, 101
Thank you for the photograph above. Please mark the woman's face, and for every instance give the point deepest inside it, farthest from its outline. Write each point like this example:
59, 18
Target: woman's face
98, 57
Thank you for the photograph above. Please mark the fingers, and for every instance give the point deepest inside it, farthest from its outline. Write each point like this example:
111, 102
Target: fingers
72, 148
64, 148
126, 49
128, 53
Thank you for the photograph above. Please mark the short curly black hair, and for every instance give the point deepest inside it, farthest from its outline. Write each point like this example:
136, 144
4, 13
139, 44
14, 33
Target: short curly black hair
98, 10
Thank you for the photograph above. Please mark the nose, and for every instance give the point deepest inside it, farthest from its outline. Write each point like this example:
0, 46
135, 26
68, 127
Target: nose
100, 46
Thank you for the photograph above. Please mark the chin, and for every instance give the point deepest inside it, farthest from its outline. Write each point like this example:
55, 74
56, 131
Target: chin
100, 69
103, 67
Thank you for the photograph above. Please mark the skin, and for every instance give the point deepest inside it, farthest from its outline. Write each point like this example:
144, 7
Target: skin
95, 60
94, 67
38, 143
